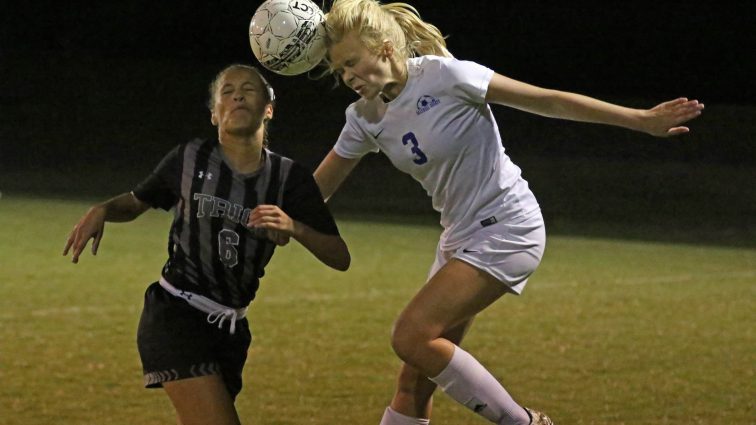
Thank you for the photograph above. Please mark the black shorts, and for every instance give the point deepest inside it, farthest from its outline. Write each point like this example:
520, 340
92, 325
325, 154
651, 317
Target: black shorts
176, 342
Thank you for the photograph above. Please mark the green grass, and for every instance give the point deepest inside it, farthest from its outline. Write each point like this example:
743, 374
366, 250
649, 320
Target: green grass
607, 332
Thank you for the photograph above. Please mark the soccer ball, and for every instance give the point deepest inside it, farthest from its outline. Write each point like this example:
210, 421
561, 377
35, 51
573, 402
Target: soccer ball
288, 36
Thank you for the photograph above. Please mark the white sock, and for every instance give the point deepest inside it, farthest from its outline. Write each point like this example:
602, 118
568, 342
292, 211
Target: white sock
469, 383
392, 417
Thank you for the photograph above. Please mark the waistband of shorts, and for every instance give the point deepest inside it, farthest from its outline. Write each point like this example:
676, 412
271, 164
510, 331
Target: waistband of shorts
216, 312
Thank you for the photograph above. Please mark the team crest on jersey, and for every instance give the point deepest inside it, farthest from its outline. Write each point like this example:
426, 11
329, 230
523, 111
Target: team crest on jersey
425, 103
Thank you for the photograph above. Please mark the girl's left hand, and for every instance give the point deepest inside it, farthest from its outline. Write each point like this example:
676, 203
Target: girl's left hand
279, 225
664, 119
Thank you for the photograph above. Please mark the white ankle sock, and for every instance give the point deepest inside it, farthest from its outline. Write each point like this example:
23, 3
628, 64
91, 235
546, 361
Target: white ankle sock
392, 417
469, 383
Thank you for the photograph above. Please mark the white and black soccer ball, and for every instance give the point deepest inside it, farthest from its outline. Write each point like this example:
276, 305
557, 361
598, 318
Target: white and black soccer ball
288, 36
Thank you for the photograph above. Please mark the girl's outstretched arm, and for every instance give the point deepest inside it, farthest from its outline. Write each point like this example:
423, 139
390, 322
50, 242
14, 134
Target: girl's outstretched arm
662, 120
124, 207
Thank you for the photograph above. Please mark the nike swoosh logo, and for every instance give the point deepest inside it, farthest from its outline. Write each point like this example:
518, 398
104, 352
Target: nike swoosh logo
375, 136
479, 407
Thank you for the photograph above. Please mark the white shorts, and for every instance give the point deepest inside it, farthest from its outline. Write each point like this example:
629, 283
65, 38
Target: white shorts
508, 252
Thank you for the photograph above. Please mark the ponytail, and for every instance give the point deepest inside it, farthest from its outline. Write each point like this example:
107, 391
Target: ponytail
422, 38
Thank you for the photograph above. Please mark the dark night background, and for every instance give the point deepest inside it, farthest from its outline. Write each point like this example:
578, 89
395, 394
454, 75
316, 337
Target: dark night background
93, 95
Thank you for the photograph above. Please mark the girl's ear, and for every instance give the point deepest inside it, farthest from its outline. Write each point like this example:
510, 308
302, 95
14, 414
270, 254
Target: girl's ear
269, 111
388, 48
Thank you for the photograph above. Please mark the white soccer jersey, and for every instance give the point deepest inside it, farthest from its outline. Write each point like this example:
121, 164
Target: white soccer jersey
440, 131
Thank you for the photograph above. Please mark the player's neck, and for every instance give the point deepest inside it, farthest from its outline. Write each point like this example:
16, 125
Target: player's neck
244, 154
393, 88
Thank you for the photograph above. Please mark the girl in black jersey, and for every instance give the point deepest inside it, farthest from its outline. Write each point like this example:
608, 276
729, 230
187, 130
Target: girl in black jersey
233, 202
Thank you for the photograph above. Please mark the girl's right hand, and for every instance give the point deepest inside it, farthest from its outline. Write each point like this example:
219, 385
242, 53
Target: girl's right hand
90, 226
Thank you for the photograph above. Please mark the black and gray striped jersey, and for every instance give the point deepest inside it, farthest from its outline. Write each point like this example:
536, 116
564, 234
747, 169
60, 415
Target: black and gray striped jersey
210, 251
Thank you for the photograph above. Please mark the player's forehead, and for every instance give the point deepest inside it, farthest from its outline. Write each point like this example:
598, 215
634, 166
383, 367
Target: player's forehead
348, 47
238, 77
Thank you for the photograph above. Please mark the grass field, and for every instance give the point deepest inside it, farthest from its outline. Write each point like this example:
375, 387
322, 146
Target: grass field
607, 332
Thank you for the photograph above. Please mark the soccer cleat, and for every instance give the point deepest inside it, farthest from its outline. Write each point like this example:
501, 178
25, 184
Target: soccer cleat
538, 418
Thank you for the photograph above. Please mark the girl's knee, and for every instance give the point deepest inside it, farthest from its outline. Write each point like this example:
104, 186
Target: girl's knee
406, 339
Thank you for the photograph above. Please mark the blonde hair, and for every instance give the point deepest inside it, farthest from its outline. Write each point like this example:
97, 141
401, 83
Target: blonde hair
400, 23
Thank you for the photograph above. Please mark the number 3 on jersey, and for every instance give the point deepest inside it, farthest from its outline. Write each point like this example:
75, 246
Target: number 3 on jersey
420, 157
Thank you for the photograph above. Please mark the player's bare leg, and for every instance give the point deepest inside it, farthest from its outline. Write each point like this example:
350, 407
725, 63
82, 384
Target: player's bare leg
414, 391
202, 401
453, 296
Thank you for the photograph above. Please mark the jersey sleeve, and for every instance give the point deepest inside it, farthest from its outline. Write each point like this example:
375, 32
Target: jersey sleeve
468, 80
160, 189
303, 202
353, 142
